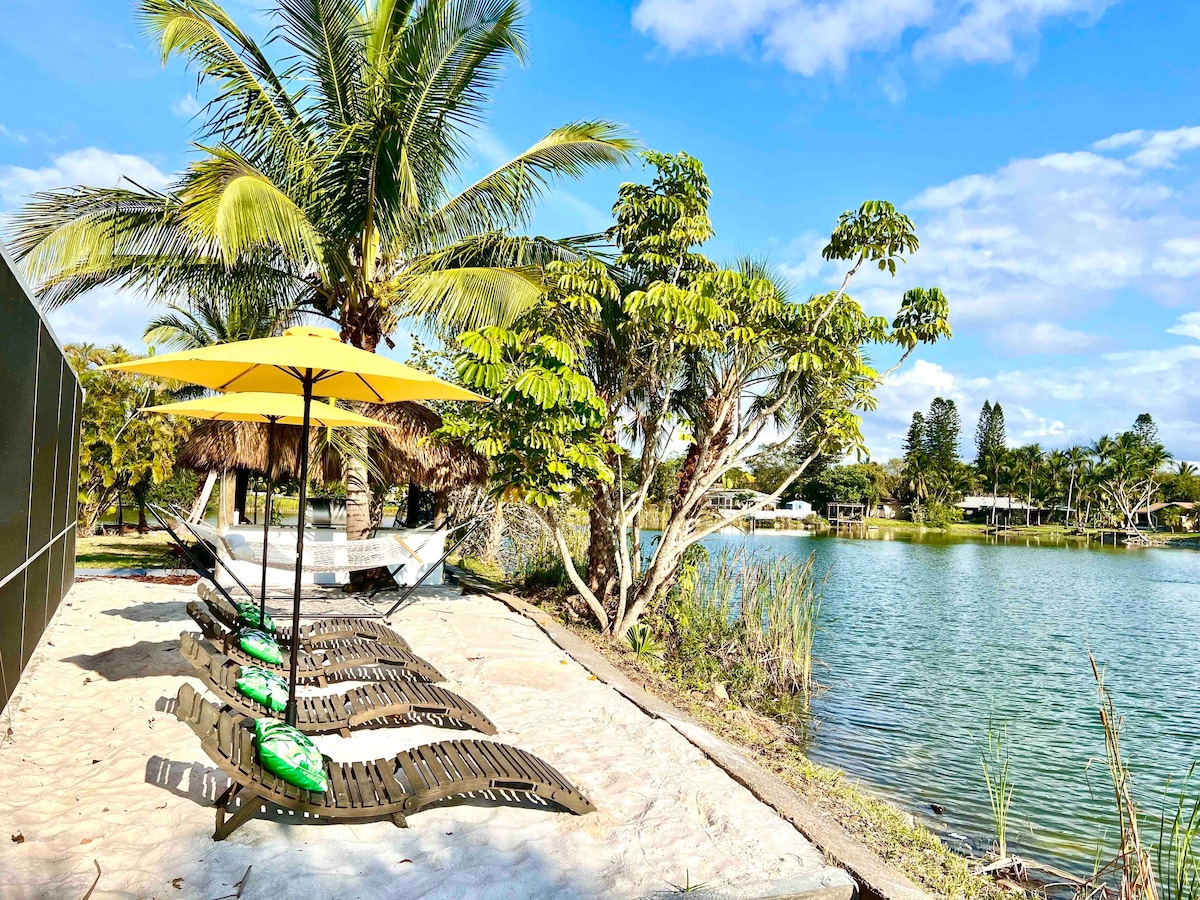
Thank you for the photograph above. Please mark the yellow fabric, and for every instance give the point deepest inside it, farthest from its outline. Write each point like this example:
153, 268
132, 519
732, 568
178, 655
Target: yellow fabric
276, 365
253, 406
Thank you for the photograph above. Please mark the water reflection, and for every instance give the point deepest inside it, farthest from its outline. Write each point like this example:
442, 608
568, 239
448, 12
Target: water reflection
927, 635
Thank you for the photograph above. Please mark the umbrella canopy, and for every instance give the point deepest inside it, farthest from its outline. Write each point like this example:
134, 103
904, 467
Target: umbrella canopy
307, 361
281, 365
255, 406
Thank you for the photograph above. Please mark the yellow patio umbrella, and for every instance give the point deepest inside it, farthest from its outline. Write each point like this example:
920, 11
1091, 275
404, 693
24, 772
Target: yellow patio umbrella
306, 361
273, 409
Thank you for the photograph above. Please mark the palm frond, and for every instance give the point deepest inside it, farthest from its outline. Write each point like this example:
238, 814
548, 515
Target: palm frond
327, 36
506, 196
472, 297
228, 201
252, 105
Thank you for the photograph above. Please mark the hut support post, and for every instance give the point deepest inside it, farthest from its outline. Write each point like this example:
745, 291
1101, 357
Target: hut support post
441, 502
304, 429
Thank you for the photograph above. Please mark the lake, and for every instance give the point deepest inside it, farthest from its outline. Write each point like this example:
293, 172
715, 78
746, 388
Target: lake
924, 637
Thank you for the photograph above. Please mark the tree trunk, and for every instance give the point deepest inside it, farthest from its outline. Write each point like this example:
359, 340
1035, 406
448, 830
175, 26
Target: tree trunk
602, 550
493, 541
420, 506
441, 503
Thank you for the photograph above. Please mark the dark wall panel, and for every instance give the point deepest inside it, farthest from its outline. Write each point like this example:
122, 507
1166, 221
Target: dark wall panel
12, 605
18, 363
40, 401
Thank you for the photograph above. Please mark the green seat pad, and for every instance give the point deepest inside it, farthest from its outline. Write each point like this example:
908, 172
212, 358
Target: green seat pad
292, 756
266, 687
249, 613
260, 645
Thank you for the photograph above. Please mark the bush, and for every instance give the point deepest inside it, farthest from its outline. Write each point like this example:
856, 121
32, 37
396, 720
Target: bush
936, 515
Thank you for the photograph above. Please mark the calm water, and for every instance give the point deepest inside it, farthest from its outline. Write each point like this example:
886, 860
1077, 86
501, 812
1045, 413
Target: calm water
923, 639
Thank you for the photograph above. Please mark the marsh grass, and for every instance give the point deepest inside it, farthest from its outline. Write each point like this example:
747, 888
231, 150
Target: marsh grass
994, 759
1177, 853
748, 625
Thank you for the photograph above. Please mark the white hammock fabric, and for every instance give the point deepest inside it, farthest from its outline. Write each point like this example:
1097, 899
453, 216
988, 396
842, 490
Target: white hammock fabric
319, 556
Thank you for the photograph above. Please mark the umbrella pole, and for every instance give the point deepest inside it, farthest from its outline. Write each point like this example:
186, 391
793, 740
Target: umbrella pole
262, 603
291, 704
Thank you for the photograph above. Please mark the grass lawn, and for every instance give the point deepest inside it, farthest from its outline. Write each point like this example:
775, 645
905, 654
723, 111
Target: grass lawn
130, 551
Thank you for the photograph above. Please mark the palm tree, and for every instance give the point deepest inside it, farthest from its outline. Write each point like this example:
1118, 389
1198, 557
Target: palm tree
1185, 469
205, 322
1075, 458
325, 176
1029, 459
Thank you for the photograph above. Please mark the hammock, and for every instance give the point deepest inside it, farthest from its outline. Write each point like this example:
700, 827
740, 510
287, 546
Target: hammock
319, 556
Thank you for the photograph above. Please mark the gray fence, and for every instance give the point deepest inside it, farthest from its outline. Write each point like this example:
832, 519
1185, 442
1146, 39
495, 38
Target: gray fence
40, 403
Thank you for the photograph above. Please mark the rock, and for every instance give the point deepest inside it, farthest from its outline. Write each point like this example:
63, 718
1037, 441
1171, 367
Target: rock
910, 821
937, 808
720, 692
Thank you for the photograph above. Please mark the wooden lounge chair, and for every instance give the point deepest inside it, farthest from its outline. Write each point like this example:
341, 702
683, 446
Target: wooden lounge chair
371, 706
335, 661
324, 631
376, 789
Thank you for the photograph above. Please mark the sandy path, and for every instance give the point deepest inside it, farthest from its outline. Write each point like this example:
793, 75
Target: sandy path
97, 769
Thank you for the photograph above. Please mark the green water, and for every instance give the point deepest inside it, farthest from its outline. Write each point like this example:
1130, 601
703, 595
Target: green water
924, 637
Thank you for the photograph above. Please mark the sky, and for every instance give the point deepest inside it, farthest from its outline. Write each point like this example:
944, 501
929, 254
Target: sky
1048, 152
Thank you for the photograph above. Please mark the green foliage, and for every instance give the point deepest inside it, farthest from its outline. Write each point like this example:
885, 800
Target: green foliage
936, 514
942, 430
643, 642
120, 449
874, 232
747, 624
1177, 850
994, 759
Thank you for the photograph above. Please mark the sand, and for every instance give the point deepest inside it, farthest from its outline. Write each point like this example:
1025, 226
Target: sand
97, 769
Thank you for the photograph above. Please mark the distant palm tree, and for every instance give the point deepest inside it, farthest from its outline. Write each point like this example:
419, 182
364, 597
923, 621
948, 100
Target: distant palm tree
1076, 456
1029, 459
1185, 469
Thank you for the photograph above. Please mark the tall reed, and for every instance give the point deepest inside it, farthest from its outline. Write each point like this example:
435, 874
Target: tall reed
995, 761
747, 623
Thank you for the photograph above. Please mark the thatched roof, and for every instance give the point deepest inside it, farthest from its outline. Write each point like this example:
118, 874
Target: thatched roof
403, 454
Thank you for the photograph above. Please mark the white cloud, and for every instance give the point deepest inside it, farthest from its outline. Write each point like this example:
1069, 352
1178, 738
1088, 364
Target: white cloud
91, 166
186, 106
103, 316
1045, 337
9, 135
1048, 238
809, 36
1188, 325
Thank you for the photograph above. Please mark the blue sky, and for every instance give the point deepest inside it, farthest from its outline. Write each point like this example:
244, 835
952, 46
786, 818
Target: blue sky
1048, 150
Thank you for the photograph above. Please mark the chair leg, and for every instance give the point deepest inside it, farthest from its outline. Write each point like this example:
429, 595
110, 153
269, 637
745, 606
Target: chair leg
228, 795
225, 828
399, 820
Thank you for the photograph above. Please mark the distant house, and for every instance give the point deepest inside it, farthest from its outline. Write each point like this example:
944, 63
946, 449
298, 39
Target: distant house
1152, 516
981, 506
731, 501
889, 508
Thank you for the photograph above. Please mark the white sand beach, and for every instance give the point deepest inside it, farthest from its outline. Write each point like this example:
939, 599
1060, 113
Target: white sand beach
97, 769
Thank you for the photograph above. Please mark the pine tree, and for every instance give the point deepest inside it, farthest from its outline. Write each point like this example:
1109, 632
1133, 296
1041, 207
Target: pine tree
1145, 430
914, 442
982, 433
942, 430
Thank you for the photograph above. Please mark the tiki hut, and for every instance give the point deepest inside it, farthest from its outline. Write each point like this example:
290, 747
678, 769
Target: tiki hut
404, 454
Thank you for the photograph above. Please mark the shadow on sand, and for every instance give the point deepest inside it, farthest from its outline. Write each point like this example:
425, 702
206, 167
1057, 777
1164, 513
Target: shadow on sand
145, 659
158, 611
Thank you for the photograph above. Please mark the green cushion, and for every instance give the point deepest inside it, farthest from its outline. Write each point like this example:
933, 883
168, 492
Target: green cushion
266, 687
248, 614
292, 756
260, 645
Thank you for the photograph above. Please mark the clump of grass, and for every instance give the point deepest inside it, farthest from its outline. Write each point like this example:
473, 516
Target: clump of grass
994, 759
747, 624
1177, 853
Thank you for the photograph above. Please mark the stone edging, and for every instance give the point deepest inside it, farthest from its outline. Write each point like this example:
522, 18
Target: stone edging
877, 880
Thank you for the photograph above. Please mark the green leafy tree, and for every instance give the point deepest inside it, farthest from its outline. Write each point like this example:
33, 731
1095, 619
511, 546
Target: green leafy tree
120, 450
674, 345
326, 176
